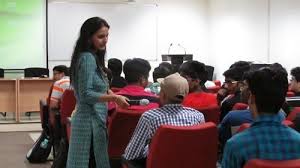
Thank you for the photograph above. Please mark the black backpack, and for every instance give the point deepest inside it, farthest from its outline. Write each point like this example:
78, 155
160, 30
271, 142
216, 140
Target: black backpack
41, 149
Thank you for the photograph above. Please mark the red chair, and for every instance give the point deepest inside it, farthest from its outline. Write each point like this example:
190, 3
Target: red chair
240, 106
68, 103
288, 123
68, 129
258, 163
293, 114
121, 127
184, 147
247, 125
211, 113
243, 127
290, 94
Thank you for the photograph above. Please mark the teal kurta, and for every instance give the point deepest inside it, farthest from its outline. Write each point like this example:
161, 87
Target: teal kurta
89, 120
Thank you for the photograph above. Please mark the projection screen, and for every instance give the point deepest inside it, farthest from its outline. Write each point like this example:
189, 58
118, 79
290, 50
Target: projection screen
23, 34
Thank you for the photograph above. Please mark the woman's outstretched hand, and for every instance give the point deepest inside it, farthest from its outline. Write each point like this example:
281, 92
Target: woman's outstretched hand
121, 101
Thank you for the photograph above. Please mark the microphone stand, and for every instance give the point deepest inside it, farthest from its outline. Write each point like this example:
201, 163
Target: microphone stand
170, 48
179, 45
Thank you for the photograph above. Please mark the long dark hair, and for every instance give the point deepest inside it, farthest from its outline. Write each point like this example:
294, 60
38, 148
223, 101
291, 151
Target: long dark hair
84, 44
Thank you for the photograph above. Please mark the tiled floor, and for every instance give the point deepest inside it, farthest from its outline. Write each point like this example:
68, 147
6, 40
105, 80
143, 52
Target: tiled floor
20, 127
14, 147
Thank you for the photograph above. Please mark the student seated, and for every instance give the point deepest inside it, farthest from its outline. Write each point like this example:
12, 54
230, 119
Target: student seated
194, 72
163, 70
267, 138
233, 82
173, 90
244, 66
62, 82
238, 117
136, 74
295, 81
295, 101
115, 66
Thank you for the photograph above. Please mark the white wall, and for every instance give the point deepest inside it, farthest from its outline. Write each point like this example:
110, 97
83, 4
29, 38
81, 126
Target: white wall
220, 32
265, 31
285, 32
238, 30
183, 22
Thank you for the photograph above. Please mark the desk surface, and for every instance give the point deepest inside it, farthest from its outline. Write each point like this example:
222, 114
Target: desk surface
39, 79
13, 79
4, 79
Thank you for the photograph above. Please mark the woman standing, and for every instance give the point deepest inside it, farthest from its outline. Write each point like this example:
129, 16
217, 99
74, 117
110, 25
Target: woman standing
88, 144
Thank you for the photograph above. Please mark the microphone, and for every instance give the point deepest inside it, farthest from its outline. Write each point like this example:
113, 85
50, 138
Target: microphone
169, 48
182, 48
142, 102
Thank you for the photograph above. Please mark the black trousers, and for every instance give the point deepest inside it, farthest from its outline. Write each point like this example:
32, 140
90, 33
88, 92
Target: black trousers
92, 161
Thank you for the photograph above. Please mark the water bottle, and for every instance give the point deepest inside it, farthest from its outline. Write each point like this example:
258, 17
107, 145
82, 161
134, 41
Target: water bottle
44, 144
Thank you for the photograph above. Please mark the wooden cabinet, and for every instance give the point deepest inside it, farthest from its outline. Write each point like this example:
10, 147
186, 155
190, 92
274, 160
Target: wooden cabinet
23, 95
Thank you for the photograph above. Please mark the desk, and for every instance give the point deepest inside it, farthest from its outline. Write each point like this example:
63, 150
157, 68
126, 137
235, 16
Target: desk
30, 91
8, 95
23, 95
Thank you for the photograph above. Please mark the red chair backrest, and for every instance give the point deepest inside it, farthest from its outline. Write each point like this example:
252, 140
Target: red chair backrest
184, 147
293, 113
247, 125
258, 163
288, 123
68, 130
240, 106
290, 94
121, 127
243, 127
211, 114
67, 105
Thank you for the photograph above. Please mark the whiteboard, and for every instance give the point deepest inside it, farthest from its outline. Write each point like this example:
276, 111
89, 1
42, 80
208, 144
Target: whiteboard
132, 34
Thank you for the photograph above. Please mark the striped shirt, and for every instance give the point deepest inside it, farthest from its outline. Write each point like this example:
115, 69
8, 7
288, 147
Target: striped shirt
59, 87
266, 139
171, 114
